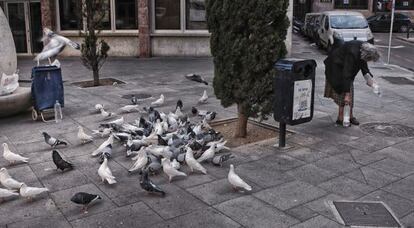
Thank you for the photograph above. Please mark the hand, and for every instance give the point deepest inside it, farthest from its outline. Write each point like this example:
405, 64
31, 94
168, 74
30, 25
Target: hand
347, 98
369, 79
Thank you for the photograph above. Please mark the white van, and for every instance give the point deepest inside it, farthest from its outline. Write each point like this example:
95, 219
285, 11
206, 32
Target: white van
342, 26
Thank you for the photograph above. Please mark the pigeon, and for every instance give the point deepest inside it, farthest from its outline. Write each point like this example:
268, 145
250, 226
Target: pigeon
83, 136
105, 132
54, 45
106, 114
106, 153
107, 142
134, 100
59, 162
158, 102
129, 108
192, 163
85, 199
219, 159
30, 192
98, 107
210, 116
179, 105
7, 181
117, 122
220, 145
175, 164
141, 161
7, 193
196, 78
208, 154
162, 141
203, 99
148, 185
105, 173
169, 170
12, 157
236, 181
53, 142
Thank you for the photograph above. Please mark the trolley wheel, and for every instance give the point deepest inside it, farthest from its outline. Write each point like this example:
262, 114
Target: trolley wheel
35, 115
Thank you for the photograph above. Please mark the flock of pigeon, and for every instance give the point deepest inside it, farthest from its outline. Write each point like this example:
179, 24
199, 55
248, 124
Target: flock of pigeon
156, 142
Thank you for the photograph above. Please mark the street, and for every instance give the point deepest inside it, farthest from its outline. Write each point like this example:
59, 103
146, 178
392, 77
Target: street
401, 51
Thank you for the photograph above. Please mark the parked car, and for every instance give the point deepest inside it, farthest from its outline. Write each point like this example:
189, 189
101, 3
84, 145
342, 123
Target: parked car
382, 22
312, 22
342, 26
298, 26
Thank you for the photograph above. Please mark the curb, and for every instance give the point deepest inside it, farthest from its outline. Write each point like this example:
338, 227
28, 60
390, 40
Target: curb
410, 40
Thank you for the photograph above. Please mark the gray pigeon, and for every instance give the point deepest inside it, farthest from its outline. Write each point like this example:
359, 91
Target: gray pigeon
53, 142
85, 199
148, 185
219, 159
196, 78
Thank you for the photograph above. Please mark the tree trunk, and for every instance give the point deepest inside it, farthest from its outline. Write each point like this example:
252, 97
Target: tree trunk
241, 130
95, 77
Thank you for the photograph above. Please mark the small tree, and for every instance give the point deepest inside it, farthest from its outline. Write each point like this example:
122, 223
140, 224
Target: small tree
94, 53
247, 38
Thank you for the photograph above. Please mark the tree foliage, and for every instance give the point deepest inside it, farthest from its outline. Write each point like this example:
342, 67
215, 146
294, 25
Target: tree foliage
94, 52
247, 38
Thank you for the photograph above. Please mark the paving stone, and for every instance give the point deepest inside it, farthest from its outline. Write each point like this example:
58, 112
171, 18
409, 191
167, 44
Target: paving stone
311, 174
365, 158
372, 177
72, 211
398, 205
251, 212
304, 140
373, 143
402, 188
24, 174
176, 202
301, 213
307, 154
42, 222
338, 164
56, 180
332, 149
193, 179
208, 218
408, 220
393, 167
322, 205
218, 191
282, 162
127, 216
27, 148
405, 146
404, 156
346, 187
290, 194
320, 222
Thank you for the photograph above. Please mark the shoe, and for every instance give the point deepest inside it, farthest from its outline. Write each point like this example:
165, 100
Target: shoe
339, 122
354, 121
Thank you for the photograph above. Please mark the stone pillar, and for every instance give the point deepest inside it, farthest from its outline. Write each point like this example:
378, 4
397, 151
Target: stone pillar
144, 29
48, 13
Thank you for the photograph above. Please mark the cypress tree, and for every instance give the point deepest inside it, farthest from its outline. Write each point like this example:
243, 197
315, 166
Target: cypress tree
247, 38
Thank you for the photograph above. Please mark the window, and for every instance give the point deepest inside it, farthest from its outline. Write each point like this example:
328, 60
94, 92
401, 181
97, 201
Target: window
119, 15
351, 4
179, 15
126, 16
69, 13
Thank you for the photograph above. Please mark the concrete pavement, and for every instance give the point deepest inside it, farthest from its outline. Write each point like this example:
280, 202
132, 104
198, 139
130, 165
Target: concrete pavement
290, 187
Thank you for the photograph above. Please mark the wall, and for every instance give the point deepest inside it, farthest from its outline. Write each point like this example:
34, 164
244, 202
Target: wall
180, 45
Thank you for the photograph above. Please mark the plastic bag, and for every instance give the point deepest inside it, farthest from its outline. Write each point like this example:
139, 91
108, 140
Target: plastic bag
8, 83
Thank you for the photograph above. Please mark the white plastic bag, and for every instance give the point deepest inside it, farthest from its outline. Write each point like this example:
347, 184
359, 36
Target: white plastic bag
8, 83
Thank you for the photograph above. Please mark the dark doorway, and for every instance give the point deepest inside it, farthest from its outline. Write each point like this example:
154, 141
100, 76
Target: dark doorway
301, 8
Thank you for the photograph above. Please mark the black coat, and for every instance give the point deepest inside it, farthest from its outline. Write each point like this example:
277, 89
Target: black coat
343, 64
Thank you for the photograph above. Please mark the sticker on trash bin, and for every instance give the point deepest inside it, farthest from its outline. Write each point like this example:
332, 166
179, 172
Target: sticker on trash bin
302, 95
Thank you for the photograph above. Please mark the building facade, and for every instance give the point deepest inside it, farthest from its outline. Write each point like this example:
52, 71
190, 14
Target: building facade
141, 28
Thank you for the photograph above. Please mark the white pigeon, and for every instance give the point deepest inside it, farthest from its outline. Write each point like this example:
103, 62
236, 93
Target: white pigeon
163, 151
106, 114
105, 173
205, 124
7, 193
98, 107
175, 164
30, 192
12, 157
169, 170
236, 181
7, 181
141, 161
54, 45
107, 142
192, 163
203, 99
118, 122
83, 136
208, 154
158, 102
197, 129
102, 132
179, 113
220, 145
129, 108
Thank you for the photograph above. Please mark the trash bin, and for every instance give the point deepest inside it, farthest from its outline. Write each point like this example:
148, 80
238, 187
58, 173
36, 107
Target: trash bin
293, 86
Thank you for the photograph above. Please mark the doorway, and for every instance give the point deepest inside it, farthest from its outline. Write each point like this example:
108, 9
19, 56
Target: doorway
25, 24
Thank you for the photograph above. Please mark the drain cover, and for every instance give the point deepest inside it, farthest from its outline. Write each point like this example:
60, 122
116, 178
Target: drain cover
365, 214
398, 80
388, 129
139, 96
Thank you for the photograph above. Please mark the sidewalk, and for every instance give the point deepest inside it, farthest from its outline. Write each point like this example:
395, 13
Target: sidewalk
290, 187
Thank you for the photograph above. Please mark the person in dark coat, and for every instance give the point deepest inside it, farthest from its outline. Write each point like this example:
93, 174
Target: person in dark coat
341, 67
